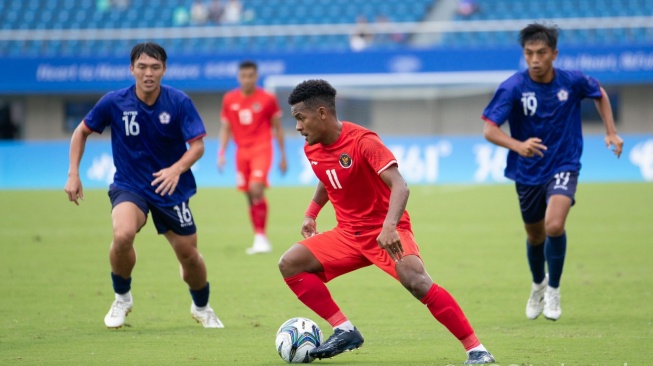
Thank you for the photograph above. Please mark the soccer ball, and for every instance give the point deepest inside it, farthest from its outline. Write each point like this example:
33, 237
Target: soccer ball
296, 337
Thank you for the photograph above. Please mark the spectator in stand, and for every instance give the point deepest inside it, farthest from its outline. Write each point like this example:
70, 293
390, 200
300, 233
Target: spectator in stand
361, 37
199, 13
216, 11
467, 7
232, 12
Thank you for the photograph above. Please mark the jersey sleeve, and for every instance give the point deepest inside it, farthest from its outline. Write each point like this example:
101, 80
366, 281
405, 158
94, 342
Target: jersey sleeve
589, 87
100, 115
376, 153
500, 106
192, 126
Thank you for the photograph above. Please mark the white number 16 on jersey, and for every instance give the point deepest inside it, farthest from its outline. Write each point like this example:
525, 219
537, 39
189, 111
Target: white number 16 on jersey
131, 126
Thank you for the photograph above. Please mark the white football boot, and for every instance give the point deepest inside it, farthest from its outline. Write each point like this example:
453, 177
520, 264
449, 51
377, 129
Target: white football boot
261, 245
552, 309
120, 308
205, 316
535, 304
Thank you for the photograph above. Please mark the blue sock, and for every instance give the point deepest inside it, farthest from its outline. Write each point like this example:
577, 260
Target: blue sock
121, 285
555, 249
201, 296
536, 260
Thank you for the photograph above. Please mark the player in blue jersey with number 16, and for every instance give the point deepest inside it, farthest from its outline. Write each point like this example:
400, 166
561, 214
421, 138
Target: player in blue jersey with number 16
150, 127
542, 107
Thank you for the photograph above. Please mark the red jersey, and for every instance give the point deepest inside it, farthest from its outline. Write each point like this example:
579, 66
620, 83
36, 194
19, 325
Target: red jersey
350, 169
250, 116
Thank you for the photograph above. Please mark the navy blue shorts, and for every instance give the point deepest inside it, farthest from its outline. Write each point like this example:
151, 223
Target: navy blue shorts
533, 199
177, 218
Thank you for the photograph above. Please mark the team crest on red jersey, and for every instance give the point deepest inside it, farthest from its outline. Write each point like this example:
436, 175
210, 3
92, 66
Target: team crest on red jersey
345, 160
256, 107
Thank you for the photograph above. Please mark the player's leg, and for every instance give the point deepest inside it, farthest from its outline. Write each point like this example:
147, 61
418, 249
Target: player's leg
411, 273
560, 196
258, 206
177, 225
128, 215
302, 269
532, 202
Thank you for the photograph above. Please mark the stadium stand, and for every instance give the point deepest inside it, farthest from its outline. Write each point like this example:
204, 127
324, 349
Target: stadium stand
534, 10
56, 15
91, 16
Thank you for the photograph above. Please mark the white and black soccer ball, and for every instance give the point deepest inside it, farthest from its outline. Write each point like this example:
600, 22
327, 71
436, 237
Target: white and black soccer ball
296, 337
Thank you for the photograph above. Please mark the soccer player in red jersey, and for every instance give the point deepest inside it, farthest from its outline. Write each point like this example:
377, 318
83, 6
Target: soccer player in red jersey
360, 176
249, 113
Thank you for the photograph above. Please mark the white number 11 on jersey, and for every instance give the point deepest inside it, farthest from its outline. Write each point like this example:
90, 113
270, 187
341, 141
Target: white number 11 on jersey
333, 178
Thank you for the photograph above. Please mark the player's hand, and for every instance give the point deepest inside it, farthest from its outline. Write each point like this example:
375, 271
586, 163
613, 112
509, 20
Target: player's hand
283, 166
221, 162
309, 227
74, 189
617, 142
390, 241
166, 180
531, 147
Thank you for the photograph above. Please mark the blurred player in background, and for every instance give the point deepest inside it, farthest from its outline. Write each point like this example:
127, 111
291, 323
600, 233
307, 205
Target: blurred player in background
249, 113
150, 126
359, 175
542, 107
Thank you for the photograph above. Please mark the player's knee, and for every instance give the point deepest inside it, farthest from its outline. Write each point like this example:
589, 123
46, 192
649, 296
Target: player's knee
189, 258
418, 286
255, 196
555, 227
417, 283
291, 264
123, 238
286, 266
536, 239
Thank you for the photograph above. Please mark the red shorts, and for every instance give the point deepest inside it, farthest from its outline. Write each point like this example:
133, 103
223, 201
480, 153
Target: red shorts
253, 165
341, 252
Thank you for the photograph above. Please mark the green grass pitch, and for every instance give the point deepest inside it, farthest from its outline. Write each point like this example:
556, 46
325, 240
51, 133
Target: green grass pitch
56, 288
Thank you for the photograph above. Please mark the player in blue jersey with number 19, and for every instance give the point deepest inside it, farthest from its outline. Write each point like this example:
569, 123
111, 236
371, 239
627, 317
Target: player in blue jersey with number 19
542, 107
150, 127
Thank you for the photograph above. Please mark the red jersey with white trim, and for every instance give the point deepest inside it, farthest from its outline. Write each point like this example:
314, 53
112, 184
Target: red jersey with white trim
350, 169
250, 116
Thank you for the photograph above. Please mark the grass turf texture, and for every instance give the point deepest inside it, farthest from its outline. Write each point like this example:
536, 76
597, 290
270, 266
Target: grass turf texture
56, 287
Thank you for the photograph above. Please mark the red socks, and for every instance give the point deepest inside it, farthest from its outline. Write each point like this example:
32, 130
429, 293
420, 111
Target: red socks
258, 213
447, 311
310, 290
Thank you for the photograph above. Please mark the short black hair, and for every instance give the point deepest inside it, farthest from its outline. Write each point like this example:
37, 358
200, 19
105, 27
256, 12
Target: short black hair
248, 64
314, 94
547, 33
151, 49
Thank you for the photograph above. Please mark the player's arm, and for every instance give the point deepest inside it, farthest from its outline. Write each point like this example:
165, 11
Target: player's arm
320, 198
166, 179
223, 141
77, 145
399, 192
605, 110
278, 132
529, 148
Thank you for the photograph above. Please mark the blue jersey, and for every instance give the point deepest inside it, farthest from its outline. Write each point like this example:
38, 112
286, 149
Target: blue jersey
146, 139
548, 111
